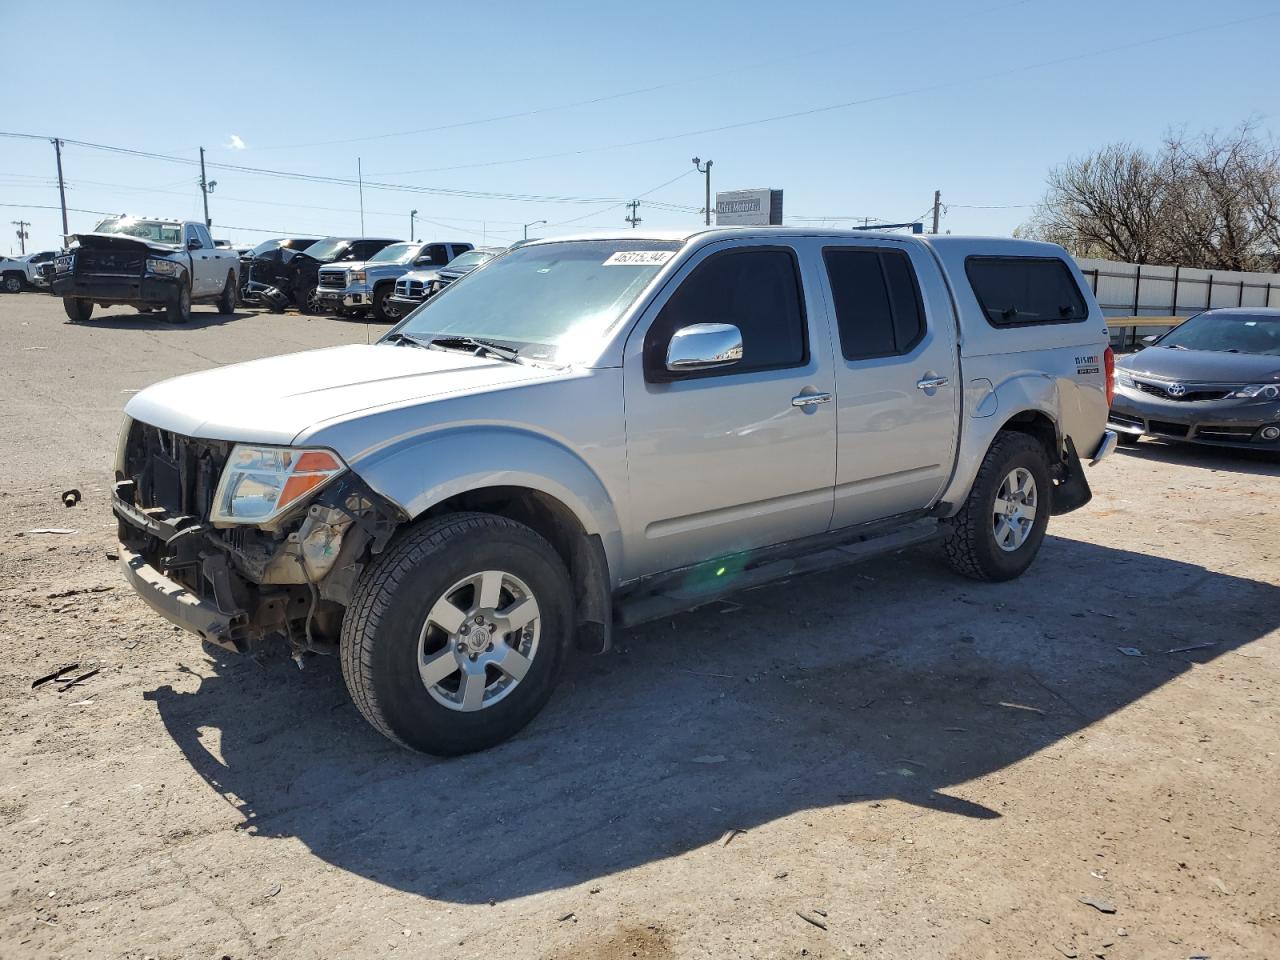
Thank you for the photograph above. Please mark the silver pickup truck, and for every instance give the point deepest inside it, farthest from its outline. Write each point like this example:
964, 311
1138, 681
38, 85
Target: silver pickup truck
356, 289
592, 432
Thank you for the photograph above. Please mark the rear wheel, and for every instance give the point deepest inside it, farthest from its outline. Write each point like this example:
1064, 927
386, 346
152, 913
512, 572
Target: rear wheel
456, 636
178, 310
78, 309
227, 302
998, 531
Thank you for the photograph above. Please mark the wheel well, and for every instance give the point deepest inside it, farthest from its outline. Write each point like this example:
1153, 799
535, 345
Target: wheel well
582, 554
1042, 429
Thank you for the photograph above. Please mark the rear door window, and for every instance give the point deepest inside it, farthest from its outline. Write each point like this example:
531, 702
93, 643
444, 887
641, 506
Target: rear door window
1025, 291
758, 291
877, 301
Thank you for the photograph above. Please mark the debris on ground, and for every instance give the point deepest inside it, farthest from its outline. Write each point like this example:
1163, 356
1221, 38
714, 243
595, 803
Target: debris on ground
79, 680
70, 497
814, 920
76, 592
1100, 905
710, 758
53, 676
1131, 651
729, 835
275, 889
568, 916
1194, 646
112, 555
1068, 952
1017, 706
53, 530
1222, 887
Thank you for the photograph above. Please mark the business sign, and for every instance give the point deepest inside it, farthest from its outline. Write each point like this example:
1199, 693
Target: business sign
749, 208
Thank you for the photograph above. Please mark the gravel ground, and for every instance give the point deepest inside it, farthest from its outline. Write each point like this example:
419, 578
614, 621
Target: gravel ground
885, 761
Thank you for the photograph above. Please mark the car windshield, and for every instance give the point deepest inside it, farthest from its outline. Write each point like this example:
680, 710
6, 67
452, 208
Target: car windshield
266, 246
553, 301
327, 250
157, 231
396, 253
469, 260
1228, 332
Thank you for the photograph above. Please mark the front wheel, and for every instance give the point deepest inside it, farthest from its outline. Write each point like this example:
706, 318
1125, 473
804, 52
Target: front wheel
998, 531
78, 309
13, 283
456, 636
384, 311
307, 299
178, 310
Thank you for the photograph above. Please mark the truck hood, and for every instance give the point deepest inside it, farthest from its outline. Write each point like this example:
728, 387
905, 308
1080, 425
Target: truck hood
422, 274
1206, 366
276, 399
120, 240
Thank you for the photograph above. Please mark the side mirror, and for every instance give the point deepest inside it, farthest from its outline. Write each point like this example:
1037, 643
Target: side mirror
1149, 340
195, 244
423, 262
704, 346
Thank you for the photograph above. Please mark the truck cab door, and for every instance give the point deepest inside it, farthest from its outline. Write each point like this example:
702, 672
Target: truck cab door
897, 377
732, 458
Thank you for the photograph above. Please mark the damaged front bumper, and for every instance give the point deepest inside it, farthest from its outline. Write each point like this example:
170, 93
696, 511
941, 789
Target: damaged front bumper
180, 606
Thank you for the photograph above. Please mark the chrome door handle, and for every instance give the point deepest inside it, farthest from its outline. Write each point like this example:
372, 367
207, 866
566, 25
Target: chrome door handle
810, 399
932, 383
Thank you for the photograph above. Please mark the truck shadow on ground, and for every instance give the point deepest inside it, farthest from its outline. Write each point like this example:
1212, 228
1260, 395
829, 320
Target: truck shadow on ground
124, 318
894, 680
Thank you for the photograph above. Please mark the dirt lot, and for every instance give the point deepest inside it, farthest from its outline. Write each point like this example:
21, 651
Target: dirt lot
919, 766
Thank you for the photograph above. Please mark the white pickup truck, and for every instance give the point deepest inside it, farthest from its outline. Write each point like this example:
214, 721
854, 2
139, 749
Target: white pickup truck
148, 264
590, 432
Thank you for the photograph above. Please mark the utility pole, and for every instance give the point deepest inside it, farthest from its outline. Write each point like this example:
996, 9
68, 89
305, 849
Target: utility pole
22, 235
204, 190
937, 208
413, 214
533, 224
705, 169
634, 219
360, 181
62, 188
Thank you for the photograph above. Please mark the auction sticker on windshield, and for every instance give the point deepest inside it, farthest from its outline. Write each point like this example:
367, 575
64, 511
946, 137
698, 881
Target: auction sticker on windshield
639, 258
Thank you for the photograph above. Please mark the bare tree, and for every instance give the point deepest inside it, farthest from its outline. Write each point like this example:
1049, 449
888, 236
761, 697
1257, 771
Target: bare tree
1211, 201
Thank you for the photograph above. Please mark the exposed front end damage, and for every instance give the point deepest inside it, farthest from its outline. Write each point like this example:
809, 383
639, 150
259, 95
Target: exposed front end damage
240, 587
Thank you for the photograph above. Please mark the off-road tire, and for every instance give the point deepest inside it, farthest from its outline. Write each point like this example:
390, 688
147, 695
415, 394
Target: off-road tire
968, 538
379, 641
227, 301
178, 310
78, 309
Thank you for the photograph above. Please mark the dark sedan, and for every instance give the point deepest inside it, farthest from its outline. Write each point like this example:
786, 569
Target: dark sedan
1213, 380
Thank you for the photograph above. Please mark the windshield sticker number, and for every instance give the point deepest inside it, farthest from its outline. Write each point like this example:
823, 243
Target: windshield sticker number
639, 258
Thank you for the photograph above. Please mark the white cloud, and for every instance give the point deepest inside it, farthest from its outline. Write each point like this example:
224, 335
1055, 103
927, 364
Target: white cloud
236, 143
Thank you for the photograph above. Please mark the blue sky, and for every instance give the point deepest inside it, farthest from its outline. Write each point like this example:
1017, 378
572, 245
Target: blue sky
978, 98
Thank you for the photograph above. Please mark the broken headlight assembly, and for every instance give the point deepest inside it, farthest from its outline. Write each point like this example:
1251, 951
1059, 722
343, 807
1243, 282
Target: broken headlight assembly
260, 483
64, 264
163, 268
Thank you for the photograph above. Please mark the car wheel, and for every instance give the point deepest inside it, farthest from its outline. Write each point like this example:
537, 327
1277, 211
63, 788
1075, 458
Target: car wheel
179, 309
998, 531
78, 310
455, 637
13, 283
227, 302
1127, 439
384, 311
307, 299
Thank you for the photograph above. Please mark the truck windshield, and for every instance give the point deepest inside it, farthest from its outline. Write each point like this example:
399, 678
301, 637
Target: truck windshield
327, 250
1228, 332
157, 231
396, 253
552, 301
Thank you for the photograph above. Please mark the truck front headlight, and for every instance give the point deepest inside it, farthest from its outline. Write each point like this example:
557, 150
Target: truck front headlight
356, 276
260, 483
64, 264
163, 268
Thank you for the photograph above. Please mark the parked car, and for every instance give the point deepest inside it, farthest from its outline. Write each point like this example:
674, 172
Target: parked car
417, 285
147, 264
357, 289
302, 273
267, 265
599, 431
1215, 380
37, 277
13, 274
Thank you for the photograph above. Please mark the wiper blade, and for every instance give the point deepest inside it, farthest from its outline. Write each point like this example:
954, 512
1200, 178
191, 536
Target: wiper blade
499, 350
402, 338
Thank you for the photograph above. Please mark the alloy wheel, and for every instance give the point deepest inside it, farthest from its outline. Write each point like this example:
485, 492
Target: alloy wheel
1014, 512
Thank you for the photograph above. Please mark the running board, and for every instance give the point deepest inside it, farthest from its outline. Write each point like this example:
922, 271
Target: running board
716, 584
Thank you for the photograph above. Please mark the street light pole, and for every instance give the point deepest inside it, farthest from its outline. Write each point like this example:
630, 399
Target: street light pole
412, 216
533, 224
705, 169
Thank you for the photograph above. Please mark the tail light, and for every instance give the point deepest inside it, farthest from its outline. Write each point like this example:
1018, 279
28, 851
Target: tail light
1109, 361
